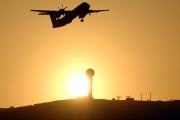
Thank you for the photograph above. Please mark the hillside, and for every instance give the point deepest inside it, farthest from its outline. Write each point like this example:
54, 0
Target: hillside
84, 109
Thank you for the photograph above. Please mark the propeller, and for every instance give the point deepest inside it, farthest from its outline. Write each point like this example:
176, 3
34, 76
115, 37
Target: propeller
62, 7
60, 12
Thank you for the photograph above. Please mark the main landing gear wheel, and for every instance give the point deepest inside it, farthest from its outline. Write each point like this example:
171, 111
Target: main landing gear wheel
82, 20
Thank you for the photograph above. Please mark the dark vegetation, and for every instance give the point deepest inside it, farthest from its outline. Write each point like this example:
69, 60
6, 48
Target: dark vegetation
83, 109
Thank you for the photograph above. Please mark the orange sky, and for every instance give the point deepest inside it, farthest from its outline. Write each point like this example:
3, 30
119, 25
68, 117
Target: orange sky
133, 48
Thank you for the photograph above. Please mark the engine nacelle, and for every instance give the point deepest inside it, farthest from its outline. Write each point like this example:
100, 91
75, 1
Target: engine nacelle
69, 22
59, 13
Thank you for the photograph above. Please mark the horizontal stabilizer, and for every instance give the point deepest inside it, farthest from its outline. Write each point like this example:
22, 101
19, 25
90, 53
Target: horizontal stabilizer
43, 13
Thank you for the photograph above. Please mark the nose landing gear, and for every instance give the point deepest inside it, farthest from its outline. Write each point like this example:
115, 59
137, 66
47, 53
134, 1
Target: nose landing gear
82, 20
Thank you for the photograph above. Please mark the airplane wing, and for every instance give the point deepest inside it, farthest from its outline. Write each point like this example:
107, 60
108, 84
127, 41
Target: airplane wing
44, 10
47, 12
96, 11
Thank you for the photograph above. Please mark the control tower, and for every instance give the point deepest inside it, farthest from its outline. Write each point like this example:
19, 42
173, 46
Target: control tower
90, 74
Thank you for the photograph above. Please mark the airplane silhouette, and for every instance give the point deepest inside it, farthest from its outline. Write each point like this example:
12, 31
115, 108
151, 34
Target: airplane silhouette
68, 15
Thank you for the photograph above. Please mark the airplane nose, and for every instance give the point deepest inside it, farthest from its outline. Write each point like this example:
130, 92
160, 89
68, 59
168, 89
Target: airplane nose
86, 4
89, 5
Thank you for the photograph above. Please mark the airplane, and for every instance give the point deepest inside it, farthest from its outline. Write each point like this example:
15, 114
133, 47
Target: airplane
68, 15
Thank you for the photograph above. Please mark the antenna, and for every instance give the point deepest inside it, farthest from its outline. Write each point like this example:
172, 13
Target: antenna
118, 97
128, 96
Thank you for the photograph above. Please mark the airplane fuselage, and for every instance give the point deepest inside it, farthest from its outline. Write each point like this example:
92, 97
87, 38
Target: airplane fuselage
81, 11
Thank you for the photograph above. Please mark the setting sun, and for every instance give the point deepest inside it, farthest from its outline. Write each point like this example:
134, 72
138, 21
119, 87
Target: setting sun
78, 85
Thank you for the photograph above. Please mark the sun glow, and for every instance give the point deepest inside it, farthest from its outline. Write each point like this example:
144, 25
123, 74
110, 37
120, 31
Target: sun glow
78, 85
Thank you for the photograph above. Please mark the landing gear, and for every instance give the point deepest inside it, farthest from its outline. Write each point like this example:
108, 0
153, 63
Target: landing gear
82, 20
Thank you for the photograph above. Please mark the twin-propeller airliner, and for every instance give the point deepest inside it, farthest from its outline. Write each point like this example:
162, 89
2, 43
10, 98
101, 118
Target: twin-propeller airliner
68, 15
